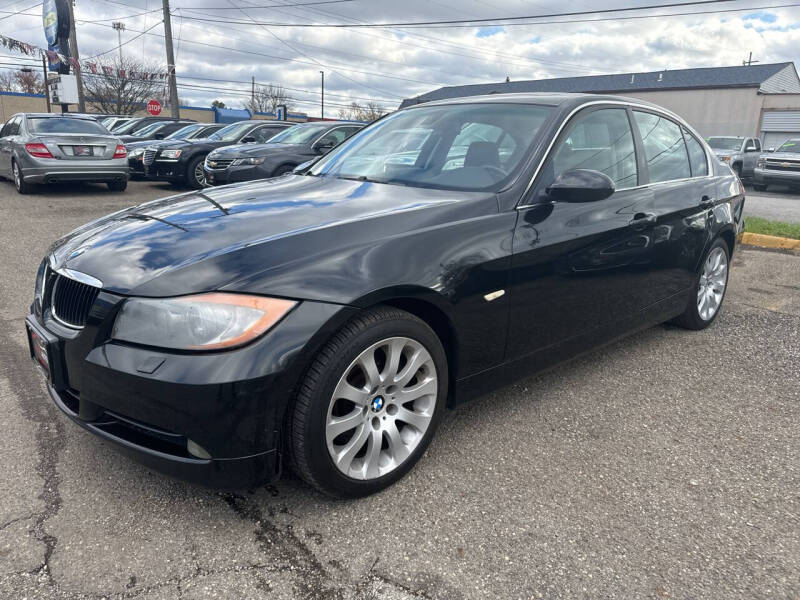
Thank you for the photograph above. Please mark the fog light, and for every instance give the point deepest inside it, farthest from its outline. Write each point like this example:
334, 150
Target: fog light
196, 450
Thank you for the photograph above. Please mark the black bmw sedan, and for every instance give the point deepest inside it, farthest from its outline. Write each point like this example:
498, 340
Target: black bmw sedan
281, 154
327, 319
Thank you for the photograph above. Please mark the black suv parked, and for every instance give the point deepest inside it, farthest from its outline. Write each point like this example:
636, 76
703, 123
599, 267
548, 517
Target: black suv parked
182, 161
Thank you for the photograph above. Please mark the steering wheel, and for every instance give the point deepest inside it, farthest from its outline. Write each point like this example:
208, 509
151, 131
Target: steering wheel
496, 170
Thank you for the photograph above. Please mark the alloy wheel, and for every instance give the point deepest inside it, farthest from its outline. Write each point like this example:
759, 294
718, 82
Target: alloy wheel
713, 280
381, 408
200, 175
17, 176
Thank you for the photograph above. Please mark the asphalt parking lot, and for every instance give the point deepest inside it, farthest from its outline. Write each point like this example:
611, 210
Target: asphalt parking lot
664, 466
775, 204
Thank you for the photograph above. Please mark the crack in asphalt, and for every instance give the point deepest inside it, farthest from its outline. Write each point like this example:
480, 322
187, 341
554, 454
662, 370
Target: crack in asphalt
49, 437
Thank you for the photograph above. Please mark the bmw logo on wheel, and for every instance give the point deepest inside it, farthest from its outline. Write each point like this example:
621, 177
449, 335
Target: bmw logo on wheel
377, 404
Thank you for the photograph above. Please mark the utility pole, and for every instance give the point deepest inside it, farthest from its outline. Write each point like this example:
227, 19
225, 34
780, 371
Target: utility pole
173, 84
322, 98
73, 43
253, 94
46, 89
749, 61
120, 27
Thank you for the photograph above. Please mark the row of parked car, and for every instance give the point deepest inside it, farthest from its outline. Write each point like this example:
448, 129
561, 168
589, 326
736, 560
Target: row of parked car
776, 166
41, 148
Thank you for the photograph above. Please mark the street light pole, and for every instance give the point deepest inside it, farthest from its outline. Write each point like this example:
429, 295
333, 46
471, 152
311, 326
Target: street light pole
120, 27
322, 97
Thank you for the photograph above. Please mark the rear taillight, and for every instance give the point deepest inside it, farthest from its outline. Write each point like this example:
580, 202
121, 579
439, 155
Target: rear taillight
120, 152
38, 150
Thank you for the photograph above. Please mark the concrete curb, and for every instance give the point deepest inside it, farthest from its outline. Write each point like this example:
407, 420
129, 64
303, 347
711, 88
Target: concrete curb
770, 241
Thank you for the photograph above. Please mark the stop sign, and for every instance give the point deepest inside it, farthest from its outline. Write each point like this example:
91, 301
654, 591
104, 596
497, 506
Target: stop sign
154, 107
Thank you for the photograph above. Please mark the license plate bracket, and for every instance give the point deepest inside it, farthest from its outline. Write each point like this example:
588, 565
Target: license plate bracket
45, 352
82, 151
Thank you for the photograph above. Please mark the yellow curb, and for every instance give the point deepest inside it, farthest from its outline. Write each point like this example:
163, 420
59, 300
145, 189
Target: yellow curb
770, 241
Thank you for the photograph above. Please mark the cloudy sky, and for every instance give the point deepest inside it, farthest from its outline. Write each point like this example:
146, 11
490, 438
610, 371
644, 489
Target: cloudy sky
219, 46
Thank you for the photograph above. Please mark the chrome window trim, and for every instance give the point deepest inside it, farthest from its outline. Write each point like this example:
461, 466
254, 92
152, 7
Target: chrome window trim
76, 275
633, 106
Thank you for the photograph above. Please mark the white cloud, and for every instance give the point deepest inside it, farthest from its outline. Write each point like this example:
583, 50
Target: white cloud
391, 64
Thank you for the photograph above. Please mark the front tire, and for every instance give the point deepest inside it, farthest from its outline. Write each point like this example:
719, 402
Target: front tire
19, 179
282, 170
195, 175
369, 404
709, 289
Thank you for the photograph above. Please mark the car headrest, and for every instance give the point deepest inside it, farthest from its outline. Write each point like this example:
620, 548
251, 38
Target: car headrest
482, 154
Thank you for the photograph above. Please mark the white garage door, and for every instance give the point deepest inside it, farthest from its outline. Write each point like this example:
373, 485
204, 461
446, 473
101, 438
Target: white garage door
777, 126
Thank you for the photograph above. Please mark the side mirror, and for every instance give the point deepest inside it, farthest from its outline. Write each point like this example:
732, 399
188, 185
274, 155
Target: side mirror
581, 185
248, 140
771, 149
750, 149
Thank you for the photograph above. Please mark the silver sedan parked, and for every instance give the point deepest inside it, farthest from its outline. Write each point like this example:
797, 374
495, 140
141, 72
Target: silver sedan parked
50, 148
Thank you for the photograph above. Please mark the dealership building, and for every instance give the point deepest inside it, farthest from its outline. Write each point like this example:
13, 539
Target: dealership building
755, 100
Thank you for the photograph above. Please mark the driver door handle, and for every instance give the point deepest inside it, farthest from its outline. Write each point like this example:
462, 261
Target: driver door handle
642, 220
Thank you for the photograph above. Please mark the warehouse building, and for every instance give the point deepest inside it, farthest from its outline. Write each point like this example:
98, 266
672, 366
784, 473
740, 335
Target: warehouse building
755, 100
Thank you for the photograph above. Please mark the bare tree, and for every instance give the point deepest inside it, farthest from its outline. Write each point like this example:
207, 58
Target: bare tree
122, 87
358, 112
267, 98
8, 82
29, 82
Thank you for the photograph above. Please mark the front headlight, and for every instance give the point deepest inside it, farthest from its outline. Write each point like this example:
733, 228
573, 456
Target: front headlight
249, 161
725, 158
761, 163
202, 322
172, 154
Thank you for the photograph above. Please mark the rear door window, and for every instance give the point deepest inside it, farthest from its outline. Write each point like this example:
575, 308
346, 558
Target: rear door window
664, 148
697, 156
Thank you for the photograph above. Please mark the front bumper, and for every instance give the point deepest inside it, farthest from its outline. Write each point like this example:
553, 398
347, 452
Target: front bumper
235, 174
136, 166
174, 171
770, 176
151, 403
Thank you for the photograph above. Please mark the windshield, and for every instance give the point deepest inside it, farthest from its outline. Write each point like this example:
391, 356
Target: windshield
183, 133
464, 147
145, 131
232, 132
65, 125
126, 127
725, 143
790, 146
299, 134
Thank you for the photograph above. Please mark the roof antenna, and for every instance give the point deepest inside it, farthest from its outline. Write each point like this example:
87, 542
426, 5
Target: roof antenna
749, 61
508, 79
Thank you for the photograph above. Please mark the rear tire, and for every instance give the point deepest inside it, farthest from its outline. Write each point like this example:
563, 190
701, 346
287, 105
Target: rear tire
709, 289
379, 434
118, 186
195, 175
19, 179
759, 187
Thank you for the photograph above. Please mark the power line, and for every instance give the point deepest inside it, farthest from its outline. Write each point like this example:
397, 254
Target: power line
489, 21
270, 5
19, 12
125, 42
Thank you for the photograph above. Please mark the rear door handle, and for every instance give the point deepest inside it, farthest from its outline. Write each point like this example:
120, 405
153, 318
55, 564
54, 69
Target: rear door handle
706, 202
642, 220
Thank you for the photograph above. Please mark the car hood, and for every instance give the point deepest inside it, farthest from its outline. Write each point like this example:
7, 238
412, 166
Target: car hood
245, 150
782, 155
209, 239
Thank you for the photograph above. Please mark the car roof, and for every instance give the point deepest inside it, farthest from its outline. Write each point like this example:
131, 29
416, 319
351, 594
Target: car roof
540, 98
60, 116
